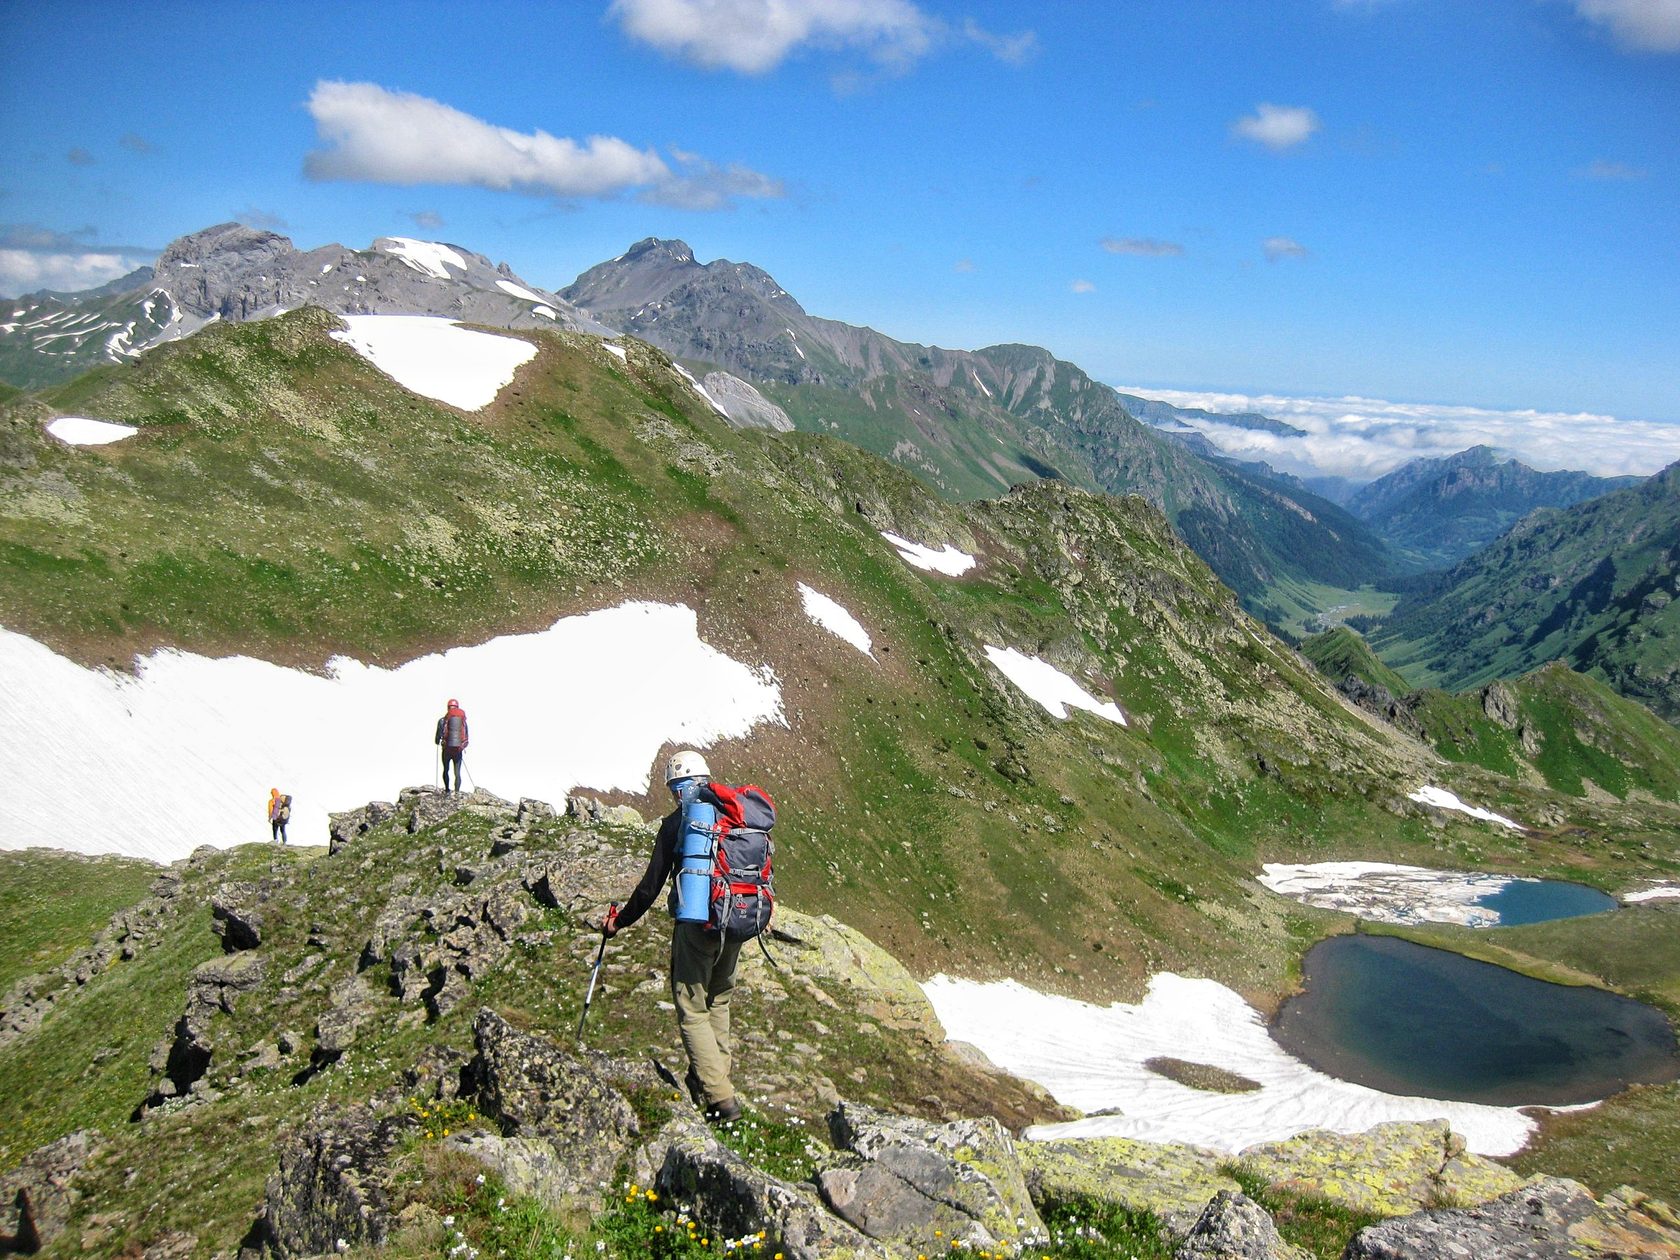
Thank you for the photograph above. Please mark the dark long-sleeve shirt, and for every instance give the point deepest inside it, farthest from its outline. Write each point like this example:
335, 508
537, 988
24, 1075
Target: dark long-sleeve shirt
661, 862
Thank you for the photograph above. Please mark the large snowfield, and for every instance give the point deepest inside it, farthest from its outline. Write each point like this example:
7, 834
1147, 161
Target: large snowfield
184, 752
1092, 1057
1389, 893
436, 357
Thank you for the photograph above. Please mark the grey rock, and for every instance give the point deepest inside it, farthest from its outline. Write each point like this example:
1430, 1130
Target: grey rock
236, 916
1548, 1219
344, 828
1235, 1227
532, 811
37, 1196
353, 1004
732, 1198
213, 989
335, 1181
914, 1183
532, 1088
1499, 702
744, 405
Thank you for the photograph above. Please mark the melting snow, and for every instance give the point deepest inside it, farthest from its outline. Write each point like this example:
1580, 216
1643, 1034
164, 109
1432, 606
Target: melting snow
947, 560
547, 312
436, 357
1092, 1057
1440, 798
832, 617
80, 431
1657, 892
979, 382
795, 341
1049, 686
184, 753
1389, 893
618, 350
426, 257
700, 389
507, 286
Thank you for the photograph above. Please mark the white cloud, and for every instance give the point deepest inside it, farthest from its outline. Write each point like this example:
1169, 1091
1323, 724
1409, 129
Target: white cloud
1142, 246
379, 136
1364, 438
755, 36
1278, 127
963, 266
1082, 286
1617, 171
26, 270
1279, 247
1645, 25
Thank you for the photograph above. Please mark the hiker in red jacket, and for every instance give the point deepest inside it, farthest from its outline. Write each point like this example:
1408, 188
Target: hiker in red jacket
451, 739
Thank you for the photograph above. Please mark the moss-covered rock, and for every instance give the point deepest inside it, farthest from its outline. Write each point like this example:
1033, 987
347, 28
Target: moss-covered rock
1172, 1182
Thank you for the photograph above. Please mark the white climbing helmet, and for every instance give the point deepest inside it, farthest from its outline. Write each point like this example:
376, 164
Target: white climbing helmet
687, 764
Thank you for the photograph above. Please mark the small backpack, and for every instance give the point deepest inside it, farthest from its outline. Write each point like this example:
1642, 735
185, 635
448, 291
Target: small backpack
742, 895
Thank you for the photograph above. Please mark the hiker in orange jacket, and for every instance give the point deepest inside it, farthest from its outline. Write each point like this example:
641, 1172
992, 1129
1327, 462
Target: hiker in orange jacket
279, 813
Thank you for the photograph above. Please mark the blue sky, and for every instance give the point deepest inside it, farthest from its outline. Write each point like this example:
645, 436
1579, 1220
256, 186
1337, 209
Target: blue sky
1425, 200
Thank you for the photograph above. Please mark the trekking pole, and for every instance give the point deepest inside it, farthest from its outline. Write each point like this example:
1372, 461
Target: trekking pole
612, 918
470, 779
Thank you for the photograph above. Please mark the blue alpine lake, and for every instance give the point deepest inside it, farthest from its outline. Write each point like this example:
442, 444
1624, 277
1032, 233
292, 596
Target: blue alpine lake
1408, 1019
1538, 900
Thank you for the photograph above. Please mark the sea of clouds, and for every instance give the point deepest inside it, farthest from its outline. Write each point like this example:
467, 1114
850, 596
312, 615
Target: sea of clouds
1363, 438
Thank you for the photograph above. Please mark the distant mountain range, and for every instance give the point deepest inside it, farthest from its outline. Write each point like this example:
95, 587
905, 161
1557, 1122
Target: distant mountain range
1435, 512
1596, 585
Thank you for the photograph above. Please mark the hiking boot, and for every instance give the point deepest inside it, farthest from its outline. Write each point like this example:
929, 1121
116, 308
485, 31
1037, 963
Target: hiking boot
726, 1112
696, 1090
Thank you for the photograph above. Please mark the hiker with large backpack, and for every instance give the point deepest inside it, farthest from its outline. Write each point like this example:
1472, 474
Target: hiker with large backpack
279, 814
451, 739
714, 848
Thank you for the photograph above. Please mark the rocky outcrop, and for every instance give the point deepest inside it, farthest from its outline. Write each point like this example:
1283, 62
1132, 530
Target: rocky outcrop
335, 1187
1174, 1183
1235, 1227
1390, 1169
36, 1198
1549, 1219
878, 984
744, 405
236, 916
531, 1088
214, 989
734, 1199
346, 827
913, 1184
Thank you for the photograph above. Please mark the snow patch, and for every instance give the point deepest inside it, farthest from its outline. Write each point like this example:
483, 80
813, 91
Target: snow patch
436, 357
1092, 1057
1656, 892
1389, 893
507, 286
547, 312
795, 341
1440, 798
947, 560
700, 389
426, 257
184, 752
979, 382
618, 350
833, 617
80, 431
1055, 691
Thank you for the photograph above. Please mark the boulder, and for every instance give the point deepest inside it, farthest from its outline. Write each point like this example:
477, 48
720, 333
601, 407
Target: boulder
1548, 1219
879, 985
214, 989
1389, 1170
236, 916
1172, 1182
36, 1197
698, 1174
335, 1182
920, 1185
1235, 1227
429, 806
344, 828
531, 1088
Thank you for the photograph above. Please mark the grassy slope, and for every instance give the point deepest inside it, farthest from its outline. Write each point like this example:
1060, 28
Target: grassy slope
52, 904
1340, 652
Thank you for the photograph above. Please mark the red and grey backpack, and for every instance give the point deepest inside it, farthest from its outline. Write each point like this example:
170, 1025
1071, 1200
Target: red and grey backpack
742, 895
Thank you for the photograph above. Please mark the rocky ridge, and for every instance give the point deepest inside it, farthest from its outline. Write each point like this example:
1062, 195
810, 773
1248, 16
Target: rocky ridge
425, 906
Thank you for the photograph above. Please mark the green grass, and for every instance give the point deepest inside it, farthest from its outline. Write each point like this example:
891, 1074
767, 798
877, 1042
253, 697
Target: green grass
1319, 1225
53, 904
1091, 1229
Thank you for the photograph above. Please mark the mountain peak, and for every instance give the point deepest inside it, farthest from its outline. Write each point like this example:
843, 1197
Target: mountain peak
223, 239
675, 251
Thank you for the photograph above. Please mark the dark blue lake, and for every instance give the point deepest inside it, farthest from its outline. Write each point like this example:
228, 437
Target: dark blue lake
1407, 1019
1537, 900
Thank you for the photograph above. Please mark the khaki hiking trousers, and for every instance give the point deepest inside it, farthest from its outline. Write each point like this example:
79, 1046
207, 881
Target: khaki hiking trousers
702, 980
